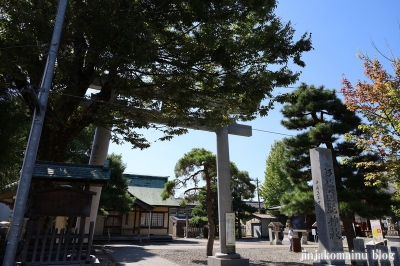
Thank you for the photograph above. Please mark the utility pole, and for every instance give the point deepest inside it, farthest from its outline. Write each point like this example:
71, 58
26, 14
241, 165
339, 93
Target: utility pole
258, 195
34, 139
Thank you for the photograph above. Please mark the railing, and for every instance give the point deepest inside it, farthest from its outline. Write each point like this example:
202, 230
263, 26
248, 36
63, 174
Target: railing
47, 246
199, 231
375, 255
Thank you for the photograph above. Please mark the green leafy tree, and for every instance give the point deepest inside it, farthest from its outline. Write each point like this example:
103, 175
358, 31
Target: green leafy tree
378, 101
79, 149
276, 181
14, 130
114, 195
242, 190
199, 212
323, 120
200, 164
169, 62
194, 166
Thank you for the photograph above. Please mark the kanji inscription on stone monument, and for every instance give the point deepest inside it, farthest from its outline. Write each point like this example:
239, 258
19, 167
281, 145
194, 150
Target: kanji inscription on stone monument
326, 205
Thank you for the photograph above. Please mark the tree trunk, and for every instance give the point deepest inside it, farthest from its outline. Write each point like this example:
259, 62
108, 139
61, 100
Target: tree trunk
239, 225
211, 237
349, 232
211, 225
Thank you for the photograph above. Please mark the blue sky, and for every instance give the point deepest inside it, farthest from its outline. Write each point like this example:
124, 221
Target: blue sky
340, 30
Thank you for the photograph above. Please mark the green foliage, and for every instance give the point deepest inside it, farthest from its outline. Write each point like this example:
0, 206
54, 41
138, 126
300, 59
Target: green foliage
14, 130
200, 164
188, 62
396, 200
114, 195
169, 190
377, 99
323, 120
297, 201
189, 170
199, 212
242, 189
194, 166
276, 181
79, 149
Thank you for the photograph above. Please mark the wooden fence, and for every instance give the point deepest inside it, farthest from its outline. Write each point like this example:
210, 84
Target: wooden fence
47, 246
199, 231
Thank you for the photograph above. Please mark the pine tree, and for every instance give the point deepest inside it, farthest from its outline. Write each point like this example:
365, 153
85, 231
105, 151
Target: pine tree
200, 164
323, 120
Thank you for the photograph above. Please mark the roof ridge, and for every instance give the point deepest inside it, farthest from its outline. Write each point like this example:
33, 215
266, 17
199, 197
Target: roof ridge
68, 164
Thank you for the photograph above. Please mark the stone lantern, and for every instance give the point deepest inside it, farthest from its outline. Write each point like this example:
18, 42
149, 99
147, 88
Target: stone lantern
275, 228
393, 235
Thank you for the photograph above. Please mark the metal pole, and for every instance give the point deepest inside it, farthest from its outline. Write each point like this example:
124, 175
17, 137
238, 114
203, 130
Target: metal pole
34, 139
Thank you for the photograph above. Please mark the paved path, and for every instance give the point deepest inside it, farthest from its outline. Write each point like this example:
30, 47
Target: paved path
127, 256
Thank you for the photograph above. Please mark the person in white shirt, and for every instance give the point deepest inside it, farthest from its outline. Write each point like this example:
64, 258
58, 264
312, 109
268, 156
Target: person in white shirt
291, 234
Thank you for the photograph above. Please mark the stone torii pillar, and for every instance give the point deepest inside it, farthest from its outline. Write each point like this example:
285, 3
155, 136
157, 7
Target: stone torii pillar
227, 254
98, 156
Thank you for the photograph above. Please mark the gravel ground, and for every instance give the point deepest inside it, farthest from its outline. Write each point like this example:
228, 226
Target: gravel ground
258, 253
257, 256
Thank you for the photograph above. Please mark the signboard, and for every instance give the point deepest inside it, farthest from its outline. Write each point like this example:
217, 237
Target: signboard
62, 201
230, 228
376, 231
314, 232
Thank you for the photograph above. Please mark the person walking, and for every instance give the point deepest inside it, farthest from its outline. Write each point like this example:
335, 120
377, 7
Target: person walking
291, 234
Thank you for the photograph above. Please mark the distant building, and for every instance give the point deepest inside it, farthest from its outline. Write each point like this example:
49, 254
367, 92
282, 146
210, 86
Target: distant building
257, 225
257, 205
149, 217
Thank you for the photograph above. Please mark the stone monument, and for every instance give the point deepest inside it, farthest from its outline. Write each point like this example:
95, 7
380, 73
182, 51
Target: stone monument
393, 236
326, 207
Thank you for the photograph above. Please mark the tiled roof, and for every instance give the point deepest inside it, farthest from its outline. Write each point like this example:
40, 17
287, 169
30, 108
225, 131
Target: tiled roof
181, 218
264, 216
152, 196
146, 180
65, 171
255, 204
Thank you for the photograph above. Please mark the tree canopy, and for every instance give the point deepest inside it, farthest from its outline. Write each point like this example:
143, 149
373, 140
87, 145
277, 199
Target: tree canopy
168, 62
194, 166
115, 195
201, 165
378, 101
14, 126
323, 119
276, 181
242, 190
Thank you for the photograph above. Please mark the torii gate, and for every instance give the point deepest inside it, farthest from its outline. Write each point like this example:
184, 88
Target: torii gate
226, 223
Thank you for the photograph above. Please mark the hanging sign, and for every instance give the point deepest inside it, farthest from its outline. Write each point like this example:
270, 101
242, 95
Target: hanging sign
230, 228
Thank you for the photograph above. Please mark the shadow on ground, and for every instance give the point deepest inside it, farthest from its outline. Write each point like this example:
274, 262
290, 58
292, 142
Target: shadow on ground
127, 254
